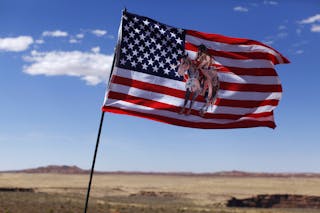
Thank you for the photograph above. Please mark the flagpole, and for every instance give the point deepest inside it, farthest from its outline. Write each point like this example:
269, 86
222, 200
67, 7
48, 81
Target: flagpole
93, 162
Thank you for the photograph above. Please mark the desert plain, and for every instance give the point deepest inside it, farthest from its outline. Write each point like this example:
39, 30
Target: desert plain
146, 192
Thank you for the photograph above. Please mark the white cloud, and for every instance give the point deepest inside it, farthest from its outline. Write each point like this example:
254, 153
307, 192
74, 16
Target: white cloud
98, 32
93, 68
310, 20
298, 52
80, 35
39, 41
240, 9
56, 33
15, 44
270, 2
95, 49
73, 41
315, 28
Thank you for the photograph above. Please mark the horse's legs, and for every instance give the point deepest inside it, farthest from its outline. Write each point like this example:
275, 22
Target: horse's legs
186, 98
194, 95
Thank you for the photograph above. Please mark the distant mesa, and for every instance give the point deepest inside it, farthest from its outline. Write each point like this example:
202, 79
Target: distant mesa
64, 169
55, 169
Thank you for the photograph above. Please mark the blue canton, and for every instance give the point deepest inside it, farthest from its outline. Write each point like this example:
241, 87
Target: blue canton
150, 47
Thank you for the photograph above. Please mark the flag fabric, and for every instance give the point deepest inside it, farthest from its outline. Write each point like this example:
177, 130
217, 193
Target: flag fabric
192, 79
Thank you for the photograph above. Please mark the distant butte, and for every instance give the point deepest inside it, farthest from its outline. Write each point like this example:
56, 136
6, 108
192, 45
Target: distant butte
64, 169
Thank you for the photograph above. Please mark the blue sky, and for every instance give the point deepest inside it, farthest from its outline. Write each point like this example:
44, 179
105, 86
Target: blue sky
55, 57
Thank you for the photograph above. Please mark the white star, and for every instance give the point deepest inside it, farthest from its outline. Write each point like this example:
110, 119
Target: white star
146, 55
142, 37
122, 61
142, 27
134, 52
176, 74
152, 50
169, 49
166, 71
147, 43
136, 41
162, 31
125, 17
158, 46
157, 57
173, 66
156, 26
146, 22
129, 57
168, 60
179, 52
180, 30
153, 40
150, 61
125, 39
161, 64
135, 19
126, 28
148, 33
179, 41
163, 53
124, 50
172, 34
137, 30
174, 55
155, 69
131, 34
131, 24
141, 48
140, 59
133, 63
144, 66
130, 46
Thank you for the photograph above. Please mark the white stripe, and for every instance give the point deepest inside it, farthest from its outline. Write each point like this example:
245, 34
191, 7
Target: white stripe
149, 78
248, 79
178, 102
232, 47
191, 118
225, 94
242, 63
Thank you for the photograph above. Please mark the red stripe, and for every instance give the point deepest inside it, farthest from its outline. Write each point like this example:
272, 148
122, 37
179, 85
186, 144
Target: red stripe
245, 104
181, 94
250, 87
172, 108
202, 125
236, 55
230, 40
249, 71
223, 85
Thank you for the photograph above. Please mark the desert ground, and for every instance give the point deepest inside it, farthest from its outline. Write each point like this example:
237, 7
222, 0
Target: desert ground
131, 193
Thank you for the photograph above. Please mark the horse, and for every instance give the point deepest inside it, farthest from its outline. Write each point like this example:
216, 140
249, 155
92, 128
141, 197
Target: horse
192, 81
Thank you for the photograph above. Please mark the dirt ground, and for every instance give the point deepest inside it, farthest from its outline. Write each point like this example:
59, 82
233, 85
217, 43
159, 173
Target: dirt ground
118, 193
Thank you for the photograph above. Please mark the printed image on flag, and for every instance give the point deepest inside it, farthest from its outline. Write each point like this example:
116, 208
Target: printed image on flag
192, 79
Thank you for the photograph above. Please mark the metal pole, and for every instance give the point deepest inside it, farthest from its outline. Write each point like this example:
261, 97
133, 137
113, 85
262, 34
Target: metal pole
93, 163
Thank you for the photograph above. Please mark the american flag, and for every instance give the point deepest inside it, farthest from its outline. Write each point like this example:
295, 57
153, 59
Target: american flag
145, 81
